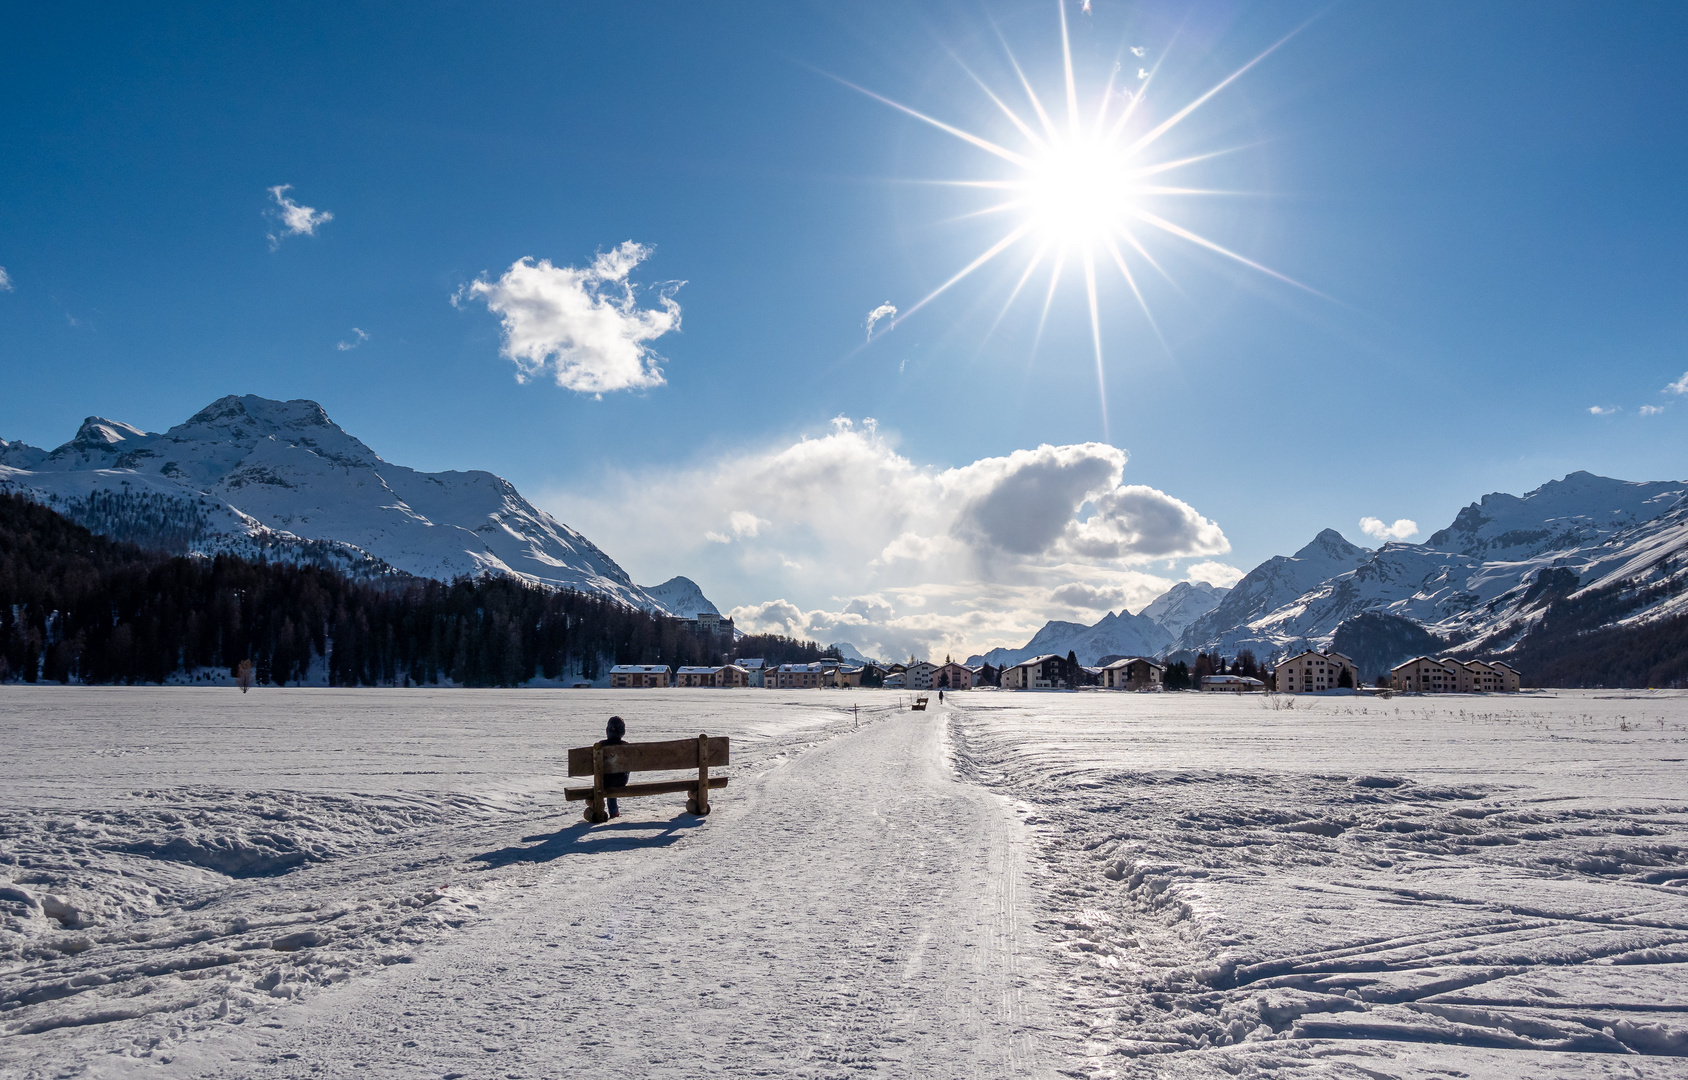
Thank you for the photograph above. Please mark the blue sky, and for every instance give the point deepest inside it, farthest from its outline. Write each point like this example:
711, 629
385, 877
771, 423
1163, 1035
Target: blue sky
1484, 205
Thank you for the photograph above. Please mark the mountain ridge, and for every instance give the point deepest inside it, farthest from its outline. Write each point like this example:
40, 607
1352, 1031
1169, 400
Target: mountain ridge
253, 475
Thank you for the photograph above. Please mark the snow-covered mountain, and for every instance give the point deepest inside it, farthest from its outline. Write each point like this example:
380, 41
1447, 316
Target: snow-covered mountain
1273, 584
1183, 604
681, 596
1122, 634
254, 476
1483, 582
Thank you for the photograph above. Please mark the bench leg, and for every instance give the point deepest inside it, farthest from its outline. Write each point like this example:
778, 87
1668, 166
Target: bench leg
596, 813
699, 803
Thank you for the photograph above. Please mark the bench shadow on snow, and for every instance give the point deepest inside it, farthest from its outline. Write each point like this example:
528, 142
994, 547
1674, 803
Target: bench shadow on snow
584, 839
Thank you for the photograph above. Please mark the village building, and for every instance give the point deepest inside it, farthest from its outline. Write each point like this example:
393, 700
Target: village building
987, 675
1232, 684
1311, 672
1423, 675
753, 668
710, 622
639, 676
1132, 673
896, 680
1511, 681
920, 675
694, 676
1041, 673
1464, 679
953, 676
732, 677
795, 677
842, 675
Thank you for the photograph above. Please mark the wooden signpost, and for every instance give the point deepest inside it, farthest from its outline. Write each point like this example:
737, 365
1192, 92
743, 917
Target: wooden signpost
600, 759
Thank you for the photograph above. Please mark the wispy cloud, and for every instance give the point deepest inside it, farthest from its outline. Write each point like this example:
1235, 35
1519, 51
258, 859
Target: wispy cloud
898, 556
1652, 410
6, 283
359, 338
1680, 386
1607, 410
581, 325
295, 220
888, 310
1139, 51
1377, 530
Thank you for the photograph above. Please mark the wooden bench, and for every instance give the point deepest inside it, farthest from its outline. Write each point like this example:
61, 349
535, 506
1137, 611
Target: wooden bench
919, 704
702, 753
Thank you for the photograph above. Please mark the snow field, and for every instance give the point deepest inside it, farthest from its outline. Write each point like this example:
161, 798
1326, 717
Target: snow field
1355, 887
173, 859
195, 882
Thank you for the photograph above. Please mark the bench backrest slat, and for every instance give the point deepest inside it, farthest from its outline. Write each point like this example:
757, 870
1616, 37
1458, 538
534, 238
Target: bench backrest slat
649, 757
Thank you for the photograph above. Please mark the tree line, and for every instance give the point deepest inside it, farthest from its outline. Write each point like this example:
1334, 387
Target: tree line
76, 607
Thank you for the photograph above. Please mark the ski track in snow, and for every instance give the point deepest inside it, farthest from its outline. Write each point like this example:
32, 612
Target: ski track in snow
194, 882
1480, 886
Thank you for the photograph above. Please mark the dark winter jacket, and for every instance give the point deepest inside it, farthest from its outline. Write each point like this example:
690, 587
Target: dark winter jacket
614, 732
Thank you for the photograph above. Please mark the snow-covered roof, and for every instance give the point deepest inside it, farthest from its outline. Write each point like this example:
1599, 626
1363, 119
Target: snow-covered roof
750, 665
1244, 679
696, 670
1421, 659
1127, 661
1299, 655
640, 669
1032, 661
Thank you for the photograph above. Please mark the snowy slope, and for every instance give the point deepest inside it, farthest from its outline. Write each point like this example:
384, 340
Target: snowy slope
1483, 581
250, 475
1183, 604
1276, 582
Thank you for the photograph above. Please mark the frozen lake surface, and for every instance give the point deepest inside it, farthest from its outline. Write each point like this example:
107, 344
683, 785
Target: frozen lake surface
195, 882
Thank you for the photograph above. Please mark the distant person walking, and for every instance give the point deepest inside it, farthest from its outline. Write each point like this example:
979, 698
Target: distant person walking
940, 697
613, 731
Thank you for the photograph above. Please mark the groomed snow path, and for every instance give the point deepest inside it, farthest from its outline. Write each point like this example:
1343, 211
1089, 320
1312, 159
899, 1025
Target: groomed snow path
852, 911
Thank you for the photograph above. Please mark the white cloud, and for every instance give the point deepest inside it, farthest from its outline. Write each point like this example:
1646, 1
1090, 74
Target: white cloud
295, 220
1377, 530
1139, 51
1680, 386
359, 338
861, 544
1080, 595
582, 325
1606, 410
1653, 410
1217, 574
6, 283
887, 310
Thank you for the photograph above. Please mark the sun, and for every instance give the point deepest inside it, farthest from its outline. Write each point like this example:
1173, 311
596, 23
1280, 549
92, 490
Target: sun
1078, 193
1080, 184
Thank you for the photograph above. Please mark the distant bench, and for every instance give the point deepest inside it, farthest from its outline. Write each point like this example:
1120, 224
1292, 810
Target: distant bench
702, 753
919, 704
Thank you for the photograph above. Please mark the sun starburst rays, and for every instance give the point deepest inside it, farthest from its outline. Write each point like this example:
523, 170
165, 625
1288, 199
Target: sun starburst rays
1079, 186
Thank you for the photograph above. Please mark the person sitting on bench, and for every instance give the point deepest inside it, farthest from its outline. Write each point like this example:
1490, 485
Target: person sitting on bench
614, 730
